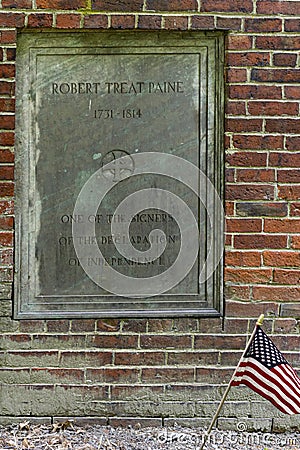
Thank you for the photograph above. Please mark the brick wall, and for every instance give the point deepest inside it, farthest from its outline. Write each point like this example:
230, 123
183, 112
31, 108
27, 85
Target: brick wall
162, 369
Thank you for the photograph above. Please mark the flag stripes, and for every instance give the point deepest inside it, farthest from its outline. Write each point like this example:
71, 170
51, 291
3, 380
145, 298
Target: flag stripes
253, 374
265, 370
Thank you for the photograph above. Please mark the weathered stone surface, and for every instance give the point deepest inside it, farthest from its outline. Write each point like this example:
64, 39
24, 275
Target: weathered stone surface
98, 98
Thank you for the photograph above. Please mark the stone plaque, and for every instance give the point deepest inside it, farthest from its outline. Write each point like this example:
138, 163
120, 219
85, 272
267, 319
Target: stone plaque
119, 174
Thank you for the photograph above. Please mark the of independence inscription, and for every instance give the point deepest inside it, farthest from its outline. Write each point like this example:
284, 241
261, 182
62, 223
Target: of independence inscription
92, 108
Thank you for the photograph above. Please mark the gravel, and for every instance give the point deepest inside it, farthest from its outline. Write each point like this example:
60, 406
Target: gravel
67, 436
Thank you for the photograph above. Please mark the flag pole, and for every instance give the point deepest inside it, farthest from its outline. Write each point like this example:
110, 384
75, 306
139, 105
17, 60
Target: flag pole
207, 433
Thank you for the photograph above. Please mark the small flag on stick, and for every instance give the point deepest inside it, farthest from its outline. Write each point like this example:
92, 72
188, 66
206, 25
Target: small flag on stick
264, 369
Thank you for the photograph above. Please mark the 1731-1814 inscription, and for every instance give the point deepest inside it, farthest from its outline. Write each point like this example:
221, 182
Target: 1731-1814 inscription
116, 134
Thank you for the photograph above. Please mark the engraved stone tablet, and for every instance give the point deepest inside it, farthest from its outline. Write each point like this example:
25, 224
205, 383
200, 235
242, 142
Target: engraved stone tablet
119, 174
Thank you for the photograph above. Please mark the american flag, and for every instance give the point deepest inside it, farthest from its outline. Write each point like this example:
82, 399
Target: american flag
264, 369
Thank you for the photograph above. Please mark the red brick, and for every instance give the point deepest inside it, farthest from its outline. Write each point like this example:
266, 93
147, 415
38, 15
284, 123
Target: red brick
281, 259
160, 325
295, 242
60, 4
6, 256
135, 325
85, 358
260, 241
262, 25
112, 5
246, 276
254, 142
243, 225
12, 19
259, 175
8, 36
286, 294
236, 75
149, 22
40, 20
6, 207
286, 276
273, 108
6, 223
240, 6
229, 208
19, 4
236, 108
108, 325
247, 159
167, 375
248, 59
266, 209
111, 341
32, 326
293, 143
230, 358
112, 375
123, 22
285, 59
6, 189
6, 173
210, 325
228, 240
7, 71
289, 343
61, 326
229, 23
95, 21
229, 175
139, 358
288, 176
6, 156
212, 375
292, 92
255, 92
289, 192
57, 375
283, 126
165, 341
7, 122
249, 192
7, 88
295, 209
11, 54
68, 21
238, 125
251, 309
172, 5
7, 104
176, 23
242, 258
203, 23
284, 159
237, 293
278, 42
292, 25
285, 326
276, 75
239, 42
193, 358
217, 342
185, 325
83, 325
278, 7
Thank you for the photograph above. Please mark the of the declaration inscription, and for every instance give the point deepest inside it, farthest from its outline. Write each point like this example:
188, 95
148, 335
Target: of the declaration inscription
89, 100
